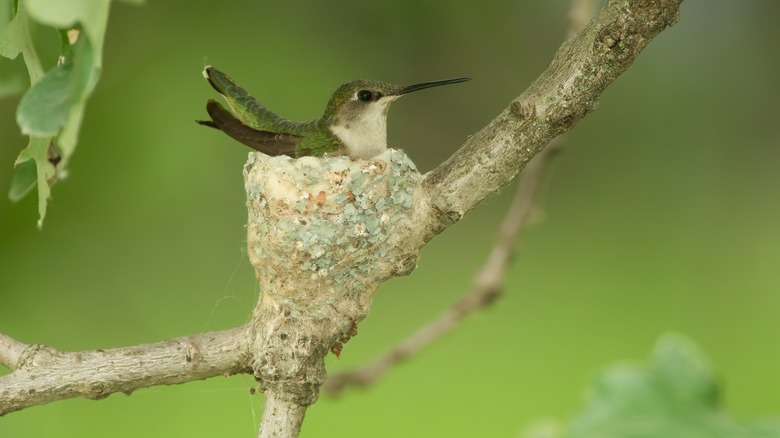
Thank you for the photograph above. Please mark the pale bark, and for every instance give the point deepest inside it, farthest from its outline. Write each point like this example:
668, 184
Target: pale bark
44, 374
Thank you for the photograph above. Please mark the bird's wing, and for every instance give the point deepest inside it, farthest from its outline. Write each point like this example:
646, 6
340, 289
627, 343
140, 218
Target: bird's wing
251, 112
269, 143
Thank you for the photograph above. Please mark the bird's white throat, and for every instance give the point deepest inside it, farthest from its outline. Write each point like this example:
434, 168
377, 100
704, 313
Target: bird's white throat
364, 133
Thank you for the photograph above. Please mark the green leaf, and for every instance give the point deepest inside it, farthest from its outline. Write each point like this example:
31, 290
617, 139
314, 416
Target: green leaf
53, 105
24, 180
92, 15
683, 371
12, 40
35, 152
85, 76
6, 12
15, 38
44, 109
674, 396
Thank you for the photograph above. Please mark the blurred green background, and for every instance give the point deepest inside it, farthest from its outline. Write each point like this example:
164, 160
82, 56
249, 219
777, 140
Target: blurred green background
662, 214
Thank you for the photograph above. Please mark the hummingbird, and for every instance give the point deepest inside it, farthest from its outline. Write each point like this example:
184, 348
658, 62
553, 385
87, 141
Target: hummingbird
354, 122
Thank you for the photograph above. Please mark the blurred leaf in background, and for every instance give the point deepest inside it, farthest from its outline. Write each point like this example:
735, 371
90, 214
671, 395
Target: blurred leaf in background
675, 395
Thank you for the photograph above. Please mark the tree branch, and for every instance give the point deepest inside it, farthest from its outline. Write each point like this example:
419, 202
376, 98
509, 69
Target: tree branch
282, 417
569, 89
45, 374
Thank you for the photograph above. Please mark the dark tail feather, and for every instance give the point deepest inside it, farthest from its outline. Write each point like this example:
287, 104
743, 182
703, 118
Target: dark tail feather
208, 123
269, 143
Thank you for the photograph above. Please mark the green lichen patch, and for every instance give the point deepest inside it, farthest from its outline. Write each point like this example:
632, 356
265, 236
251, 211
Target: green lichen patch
328, 221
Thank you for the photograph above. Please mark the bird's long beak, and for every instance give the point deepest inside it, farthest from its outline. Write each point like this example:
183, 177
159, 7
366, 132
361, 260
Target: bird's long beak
423, 85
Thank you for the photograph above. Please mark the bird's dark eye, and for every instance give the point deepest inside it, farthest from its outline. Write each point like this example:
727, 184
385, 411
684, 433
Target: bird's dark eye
365, 95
